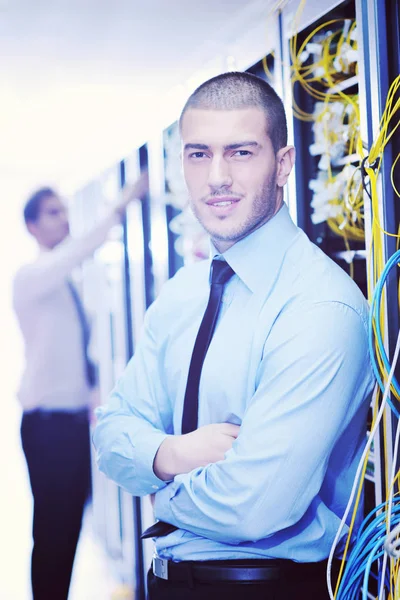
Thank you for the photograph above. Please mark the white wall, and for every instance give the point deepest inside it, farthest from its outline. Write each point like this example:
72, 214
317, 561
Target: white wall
15, 497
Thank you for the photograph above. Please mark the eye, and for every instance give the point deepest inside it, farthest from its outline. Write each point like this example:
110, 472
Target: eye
242, 153
198, 154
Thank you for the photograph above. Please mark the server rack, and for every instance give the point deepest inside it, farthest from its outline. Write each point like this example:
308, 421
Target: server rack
173, 209
96, 277
108, 291
131, 518
371, 85
276, 68
123, 280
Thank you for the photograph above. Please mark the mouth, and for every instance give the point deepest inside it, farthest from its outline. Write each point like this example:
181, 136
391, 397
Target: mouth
222, 201
223, 205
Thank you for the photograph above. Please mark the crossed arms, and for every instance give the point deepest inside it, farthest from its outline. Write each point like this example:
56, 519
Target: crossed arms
236, 484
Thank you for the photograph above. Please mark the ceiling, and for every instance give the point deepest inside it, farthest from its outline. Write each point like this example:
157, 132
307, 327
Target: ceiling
83, 81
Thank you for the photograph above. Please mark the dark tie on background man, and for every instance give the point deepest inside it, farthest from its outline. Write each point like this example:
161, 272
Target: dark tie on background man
90, 367
220, 274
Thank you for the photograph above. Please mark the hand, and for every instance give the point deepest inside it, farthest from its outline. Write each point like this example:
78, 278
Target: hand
136, 191
94, 402
183, 453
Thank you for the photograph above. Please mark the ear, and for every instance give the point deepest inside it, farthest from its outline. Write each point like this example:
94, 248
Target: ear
32, 228
285, 158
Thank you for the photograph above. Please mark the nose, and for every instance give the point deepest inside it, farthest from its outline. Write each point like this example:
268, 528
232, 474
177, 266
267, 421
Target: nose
64, 219
219, 175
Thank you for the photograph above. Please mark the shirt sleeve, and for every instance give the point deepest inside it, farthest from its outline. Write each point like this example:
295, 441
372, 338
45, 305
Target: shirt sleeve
136, 420
314, 376
51, 268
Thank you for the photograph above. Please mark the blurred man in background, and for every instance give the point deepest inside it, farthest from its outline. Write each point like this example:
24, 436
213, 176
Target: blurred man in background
56, 385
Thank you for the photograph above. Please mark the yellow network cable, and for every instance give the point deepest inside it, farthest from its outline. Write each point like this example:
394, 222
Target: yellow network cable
268, 73
394, 565
375, 158
320, 80
357, 499
392, 177
391, 108
277, 7
305, 75
349, 222
352, 212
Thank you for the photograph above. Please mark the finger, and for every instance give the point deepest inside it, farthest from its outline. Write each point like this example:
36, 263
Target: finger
230, 429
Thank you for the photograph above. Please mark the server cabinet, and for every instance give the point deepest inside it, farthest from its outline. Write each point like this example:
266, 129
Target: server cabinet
104, 284
134, 309
321, 83
176, 197
188, 242
360, 85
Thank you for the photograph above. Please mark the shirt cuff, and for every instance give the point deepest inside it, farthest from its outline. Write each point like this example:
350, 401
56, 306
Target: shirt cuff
144, 455
163, 504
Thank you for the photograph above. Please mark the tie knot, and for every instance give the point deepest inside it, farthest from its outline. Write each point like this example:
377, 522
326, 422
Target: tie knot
221, 272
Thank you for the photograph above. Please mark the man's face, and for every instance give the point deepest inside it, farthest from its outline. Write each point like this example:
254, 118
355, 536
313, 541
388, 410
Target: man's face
51, 226
231, 171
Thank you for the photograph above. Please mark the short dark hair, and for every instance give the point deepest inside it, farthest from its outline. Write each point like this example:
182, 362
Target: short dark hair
32, 206
234, 90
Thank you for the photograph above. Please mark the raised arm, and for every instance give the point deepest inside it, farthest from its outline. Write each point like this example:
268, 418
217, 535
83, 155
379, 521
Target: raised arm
45, 274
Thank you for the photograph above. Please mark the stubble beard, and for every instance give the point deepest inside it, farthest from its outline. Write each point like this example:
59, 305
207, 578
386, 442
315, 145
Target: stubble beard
263, 209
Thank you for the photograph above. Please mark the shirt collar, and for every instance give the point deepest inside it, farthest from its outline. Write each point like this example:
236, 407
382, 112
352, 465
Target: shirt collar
256, 259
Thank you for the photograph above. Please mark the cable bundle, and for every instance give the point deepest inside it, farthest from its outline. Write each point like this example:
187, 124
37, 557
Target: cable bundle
325, 59
379, 358
349, 576
368, 549
334, 60
392, 543
347, 175
371, 539
379, 272
371, 167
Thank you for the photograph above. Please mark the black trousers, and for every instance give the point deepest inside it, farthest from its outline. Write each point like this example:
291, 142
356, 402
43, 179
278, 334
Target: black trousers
287, 588
57, 450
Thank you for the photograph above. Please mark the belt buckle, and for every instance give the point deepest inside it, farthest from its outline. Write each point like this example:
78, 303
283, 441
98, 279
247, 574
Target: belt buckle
160, 567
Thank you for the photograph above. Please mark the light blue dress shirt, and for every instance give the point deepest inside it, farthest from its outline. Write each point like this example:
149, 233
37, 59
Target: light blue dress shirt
288, 363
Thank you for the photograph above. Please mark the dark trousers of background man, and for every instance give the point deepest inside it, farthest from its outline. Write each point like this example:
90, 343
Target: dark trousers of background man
289, 587
57, 450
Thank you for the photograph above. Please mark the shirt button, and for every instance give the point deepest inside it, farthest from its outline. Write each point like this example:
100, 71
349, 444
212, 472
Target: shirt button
155, 487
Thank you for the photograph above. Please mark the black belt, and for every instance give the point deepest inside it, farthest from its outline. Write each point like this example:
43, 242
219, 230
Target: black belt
235, 570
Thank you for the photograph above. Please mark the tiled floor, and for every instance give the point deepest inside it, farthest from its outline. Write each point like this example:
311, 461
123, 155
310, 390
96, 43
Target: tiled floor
93, 577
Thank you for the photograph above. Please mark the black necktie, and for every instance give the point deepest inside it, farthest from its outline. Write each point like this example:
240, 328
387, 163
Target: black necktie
90, 367
220, 274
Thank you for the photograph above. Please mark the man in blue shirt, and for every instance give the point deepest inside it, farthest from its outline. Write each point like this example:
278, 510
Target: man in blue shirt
252, 463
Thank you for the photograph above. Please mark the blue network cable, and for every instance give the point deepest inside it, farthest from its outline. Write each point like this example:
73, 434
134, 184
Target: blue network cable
367, 549
374, 314
369, 545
